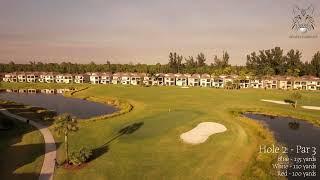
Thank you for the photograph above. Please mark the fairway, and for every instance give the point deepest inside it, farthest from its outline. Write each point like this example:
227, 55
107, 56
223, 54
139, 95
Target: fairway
155, 150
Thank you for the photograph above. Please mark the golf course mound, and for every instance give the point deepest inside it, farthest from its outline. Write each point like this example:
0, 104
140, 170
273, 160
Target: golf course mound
202, 132
276, 102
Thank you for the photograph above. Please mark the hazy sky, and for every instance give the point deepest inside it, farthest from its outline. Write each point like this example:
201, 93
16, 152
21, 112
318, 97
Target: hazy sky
146, 31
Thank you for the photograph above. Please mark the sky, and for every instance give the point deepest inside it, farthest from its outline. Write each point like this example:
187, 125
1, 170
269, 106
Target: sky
145, 31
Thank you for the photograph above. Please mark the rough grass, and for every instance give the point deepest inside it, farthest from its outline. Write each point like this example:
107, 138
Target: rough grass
21, 152
154, 151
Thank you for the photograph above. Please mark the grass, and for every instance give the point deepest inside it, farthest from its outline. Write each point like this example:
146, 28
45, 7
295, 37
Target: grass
154, 151
21, 149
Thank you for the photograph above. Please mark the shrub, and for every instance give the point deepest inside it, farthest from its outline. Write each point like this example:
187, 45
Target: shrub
80, 157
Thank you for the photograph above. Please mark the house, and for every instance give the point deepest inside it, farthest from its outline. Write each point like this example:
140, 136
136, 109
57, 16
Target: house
136, 78
81, 78
205, 80
270, 83
41, 77
169, 79
10, 77
32, 77
244, 82
116, 78
181, 80
194, 80
95, 78
284, 82
158, 79
147, 79
256, 83
217, 81
126, 78
105, 78
312, 82
22, 77
50, 78
290, 82
67, 78
59, 78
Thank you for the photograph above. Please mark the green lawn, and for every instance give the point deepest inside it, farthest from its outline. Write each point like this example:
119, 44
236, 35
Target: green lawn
154, 151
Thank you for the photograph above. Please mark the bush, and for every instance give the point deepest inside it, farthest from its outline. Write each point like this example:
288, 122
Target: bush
80, 157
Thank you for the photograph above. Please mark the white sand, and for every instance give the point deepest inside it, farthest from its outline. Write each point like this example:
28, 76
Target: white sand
272, 101
202, 132
311, 107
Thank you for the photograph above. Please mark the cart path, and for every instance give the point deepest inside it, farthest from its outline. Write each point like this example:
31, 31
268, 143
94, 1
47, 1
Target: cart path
48, 165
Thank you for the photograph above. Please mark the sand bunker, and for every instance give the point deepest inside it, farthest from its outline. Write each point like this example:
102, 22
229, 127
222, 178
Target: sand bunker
202, 132
311, 107
272, 101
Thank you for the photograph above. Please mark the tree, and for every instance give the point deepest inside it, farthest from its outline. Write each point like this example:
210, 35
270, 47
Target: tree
64, 124
293, 63
221, 63
315, 64
229, 85
295, 96
201, 59
175, 62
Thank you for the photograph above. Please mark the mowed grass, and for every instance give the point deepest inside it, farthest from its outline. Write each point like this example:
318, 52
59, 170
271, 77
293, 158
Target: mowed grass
155, 151
21, 151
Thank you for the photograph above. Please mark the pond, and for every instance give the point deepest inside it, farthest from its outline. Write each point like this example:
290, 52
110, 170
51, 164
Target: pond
294, 134
79, 108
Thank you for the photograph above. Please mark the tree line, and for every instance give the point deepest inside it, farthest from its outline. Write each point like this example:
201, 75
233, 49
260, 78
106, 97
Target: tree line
264, 62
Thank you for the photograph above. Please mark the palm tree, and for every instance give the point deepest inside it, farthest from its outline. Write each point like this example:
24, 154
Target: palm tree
63, 125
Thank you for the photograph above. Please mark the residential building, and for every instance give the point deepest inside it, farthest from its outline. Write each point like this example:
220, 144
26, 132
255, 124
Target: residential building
22, 77
136, 78
270, 83
51, 78
10, 77
205, 80
126, 78
244, 82
95, 78
105, 78
312, 82
158, 79
147, 79
116, 78
81, 78
194, 80
256, 83
217, 81
181, 80
32, 77
59, 78
169, 79
41, 77
67, 78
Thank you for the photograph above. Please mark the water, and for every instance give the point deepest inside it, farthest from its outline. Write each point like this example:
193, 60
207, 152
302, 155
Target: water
77, 107
294, 133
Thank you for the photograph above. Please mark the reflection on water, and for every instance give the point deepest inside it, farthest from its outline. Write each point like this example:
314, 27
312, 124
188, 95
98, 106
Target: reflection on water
80, 108
293, 133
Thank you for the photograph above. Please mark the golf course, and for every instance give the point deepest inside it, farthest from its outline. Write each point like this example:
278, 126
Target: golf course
154, 149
